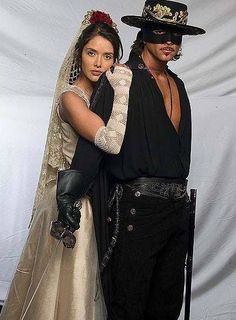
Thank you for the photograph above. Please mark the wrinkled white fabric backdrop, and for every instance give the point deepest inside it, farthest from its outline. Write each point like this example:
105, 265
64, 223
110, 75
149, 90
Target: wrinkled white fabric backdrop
34, 38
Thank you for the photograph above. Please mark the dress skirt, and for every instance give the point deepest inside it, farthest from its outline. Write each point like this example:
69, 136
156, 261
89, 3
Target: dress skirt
52, 282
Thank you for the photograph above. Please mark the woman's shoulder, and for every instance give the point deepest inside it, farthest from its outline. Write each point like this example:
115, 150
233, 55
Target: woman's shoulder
71, 91
71, 98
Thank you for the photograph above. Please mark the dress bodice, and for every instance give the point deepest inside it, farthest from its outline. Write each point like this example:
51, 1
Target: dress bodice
69, 135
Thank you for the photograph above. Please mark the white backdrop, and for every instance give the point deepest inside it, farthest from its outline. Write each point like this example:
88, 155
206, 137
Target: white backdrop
34, 38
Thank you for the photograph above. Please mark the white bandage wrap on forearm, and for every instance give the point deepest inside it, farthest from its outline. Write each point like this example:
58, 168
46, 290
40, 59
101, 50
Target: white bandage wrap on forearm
110, 138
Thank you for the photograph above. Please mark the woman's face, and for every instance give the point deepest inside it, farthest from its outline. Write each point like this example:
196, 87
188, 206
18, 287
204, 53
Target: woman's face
97, 57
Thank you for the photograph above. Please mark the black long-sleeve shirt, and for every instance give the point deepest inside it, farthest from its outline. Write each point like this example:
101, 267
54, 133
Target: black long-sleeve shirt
151, 146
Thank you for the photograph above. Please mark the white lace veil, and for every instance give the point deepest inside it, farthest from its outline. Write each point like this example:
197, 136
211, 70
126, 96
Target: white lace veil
53, 158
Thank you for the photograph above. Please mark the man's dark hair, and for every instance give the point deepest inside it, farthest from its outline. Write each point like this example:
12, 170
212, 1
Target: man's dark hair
138, 45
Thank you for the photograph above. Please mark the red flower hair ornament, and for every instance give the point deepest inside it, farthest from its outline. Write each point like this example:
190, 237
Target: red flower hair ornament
97, 16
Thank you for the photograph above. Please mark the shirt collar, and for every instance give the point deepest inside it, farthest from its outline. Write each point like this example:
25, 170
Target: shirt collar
136, 62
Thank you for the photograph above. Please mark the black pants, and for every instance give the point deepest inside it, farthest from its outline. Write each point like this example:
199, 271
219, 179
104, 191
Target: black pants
148, 260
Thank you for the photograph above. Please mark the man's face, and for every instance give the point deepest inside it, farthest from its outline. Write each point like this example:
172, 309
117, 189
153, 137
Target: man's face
162, 44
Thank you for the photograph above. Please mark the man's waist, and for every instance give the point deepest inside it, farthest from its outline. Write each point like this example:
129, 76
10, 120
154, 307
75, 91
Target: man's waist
166, 188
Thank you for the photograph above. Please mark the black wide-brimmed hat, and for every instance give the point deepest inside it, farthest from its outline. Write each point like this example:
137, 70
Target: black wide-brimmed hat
164, 13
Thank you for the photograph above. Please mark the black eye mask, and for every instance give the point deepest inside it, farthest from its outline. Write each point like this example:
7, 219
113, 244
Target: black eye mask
151, 35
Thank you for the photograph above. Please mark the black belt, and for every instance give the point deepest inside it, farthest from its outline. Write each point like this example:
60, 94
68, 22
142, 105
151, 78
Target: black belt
165, 188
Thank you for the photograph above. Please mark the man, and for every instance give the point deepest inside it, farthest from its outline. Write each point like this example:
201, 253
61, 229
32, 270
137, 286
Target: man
150, 219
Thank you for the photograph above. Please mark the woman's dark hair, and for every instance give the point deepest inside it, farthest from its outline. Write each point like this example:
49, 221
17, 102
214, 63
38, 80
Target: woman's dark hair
99, 29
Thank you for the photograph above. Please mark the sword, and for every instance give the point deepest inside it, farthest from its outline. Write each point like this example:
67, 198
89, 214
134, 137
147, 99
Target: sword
189, 262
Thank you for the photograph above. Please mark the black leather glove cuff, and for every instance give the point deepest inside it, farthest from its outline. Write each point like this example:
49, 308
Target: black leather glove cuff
71, 186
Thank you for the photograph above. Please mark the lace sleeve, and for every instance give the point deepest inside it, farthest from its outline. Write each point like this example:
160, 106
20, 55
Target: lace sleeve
109, 138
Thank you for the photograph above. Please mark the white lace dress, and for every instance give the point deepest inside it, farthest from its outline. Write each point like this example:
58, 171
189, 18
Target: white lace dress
52, 282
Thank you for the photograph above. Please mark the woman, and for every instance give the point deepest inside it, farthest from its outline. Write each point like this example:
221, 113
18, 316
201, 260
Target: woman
52, 282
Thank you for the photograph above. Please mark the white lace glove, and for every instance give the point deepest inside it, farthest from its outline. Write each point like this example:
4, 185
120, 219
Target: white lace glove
110, 138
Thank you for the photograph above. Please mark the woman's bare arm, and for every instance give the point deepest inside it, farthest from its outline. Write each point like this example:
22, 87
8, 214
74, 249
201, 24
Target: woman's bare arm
75, 111
109, 138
